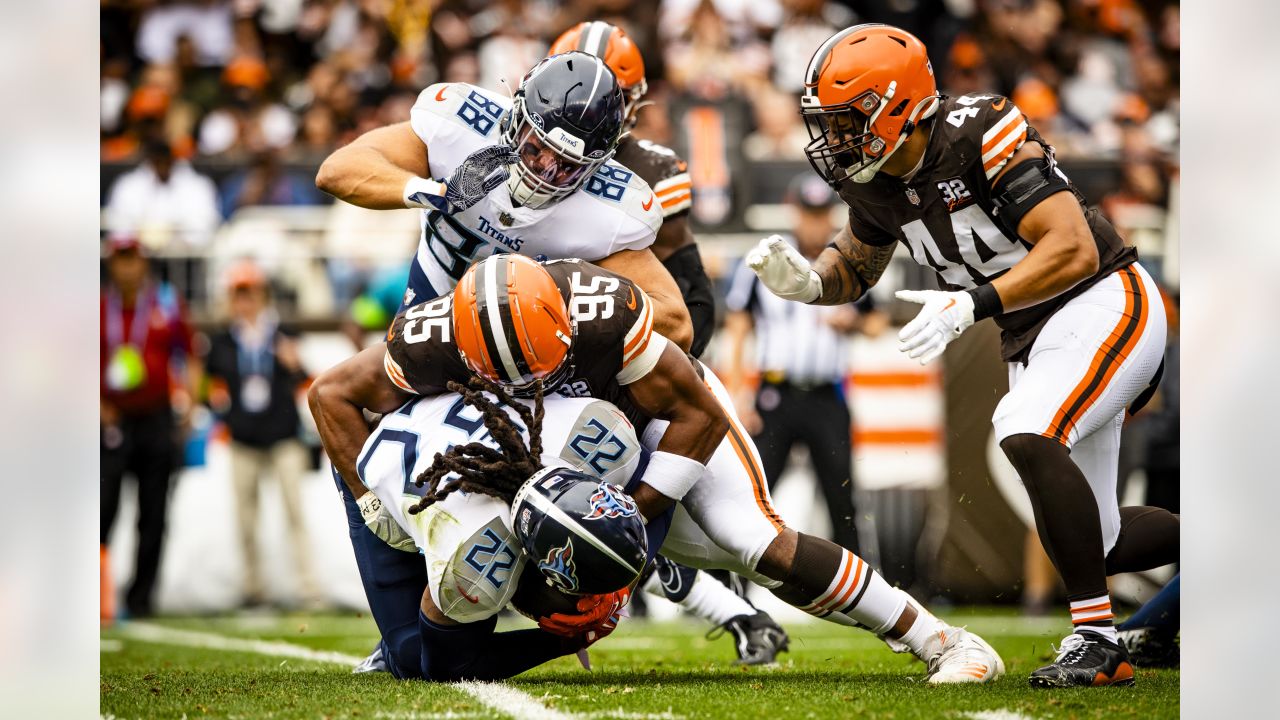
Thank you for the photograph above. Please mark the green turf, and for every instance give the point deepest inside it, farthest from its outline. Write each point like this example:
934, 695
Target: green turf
653, 670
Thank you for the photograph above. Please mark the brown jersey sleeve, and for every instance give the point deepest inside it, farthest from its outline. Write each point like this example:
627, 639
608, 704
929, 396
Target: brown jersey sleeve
614, 337
665, 171
421, 354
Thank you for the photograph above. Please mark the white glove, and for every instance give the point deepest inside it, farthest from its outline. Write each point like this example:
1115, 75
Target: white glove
784, 270
379, 520
944, 316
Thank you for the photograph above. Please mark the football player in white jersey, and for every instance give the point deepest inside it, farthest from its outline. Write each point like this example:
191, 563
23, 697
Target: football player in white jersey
531, 174
472, 556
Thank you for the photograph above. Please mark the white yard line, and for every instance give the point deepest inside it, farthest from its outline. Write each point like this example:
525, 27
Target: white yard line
148, 632
997, 715
510, 701
499, 697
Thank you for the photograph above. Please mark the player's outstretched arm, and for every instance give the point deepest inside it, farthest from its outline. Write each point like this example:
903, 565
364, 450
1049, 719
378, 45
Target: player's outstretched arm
670, 316
849, 269
841, 274
673, 391
338, 398
1064, 252
373, 170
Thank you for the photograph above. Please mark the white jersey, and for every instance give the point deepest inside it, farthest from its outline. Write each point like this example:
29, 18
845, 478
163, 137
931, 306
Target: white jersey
614, 210
472, 555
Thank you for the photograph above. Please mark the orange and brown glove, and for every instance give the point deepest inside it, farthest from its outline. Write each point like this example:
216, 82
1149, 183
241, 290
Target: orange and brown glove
597, 616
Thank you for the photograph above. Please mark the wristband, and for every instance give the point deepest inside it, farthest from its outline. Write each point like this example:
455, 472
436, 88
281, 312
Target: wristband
986, 302
426, 194
672, 475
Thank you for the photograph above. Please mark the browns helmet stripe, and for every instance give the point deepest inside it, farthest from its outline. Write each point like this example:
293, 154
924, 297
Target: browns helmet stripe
500, 341
595, 38
823, 52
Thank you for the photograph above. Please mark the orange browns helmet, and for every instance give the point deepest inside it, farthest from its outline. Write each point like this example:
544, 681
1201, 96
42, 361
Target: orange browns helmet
611, 44
866, 88
511, 324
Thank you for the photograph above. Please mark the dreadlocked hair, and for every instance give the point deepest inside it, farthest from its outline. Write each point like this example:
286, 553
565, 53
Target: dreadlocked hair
480, 468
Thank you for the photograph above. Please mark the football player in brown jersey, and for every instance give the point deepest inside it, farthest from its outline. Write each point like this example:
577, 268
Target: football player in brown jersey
665, 171
975, 194
757, 637
581, 330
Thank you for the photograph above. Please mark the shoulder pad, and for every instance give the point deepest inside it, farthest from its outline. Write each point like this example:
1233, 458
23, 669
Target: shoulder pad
602, 442
459, 105
471, 571
618, 187
993, 123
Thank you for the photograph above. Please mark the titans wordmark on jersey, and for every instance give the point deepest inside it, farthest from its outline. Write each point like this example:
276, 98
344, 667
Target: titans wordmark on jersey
615, 210
946, 216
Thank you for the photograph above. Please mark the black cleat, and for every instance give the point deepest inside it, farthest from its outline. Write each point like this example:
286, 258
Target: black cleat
1085, 659
1150, 648
757, 638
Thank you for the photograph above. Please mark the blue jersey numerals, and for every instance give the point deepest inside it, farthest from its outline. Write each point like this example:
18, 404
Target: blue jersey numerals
609, 182
408, 442
492, 557
598, 448
479, 113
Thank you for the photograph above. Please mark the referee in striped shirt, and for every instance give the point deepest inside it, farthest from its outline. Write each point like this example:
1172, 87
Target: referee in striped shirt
801, 357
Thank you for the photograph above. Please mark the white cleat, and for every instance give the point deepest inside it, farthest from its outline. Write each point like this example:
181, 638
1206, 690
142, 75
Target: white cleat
955, 655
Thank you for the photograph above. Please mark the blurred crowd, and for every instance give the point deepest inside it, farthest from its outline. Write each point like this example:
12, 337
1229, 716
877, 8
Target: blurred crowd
254, 93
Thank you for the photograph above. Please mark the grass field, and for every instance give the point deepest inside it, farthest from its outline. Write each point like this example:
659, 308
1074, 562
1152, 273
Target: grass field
295, 666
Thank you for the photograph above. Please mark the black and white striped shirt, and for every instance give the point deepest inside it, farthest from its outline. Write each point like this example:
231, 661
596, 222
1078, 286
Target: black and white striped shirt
791, 337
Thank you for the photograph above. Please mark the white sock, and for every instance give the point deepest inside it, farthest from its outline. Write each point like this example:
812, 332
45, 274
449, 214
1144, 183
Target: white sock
711, 600
926, 626
1094, 615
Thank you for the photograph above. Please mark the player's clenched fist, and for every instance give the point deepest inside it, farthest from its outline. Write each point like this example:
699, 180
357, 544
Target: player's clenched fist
944, 316
784, 270
481, 172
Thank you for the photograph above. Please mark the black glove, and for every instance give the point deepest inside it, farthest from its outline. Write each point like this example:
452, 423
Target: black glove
481, 172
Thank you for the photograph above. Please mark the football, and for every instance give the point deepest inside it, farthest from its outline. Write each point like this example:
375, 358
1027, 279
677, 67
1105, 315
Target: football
535, 597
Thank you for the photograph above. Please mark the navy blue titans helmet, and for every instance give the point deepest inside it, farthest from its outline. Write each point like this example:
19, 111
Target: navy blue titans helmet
565, 121
584, 535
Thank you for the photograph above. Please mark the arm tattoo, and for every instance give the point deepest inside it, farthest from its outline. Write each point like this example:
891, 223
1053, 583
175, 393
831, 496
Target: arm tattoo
849, 269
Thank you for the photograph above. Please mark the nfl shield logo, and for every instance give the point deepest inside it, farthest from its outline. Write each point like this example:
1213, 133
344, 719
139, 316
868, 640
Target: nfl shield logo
912, 196
505, 218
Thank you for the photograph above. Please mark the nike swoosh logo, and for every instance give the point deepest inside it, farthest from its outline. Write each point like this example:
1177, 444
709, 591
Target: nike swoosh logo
948, 307
440, 95
473, 599
631, 301
649, 204
998, 106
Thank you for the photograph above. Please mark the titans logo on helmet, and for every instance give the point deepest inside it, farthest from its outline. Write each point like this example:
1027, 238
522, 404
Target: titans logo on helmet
610, 502
558, 567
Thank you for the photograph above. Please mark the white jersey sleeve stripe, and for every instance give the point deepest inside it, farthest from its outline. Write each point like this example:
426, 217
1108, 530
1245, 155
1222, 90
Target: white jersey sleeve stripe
675, 183
994, 131
1000, 154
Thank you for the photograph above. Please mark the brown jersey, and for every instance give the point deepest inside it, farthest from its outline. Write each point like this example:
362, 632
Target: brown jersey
665, 171
613, 344
946, 217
